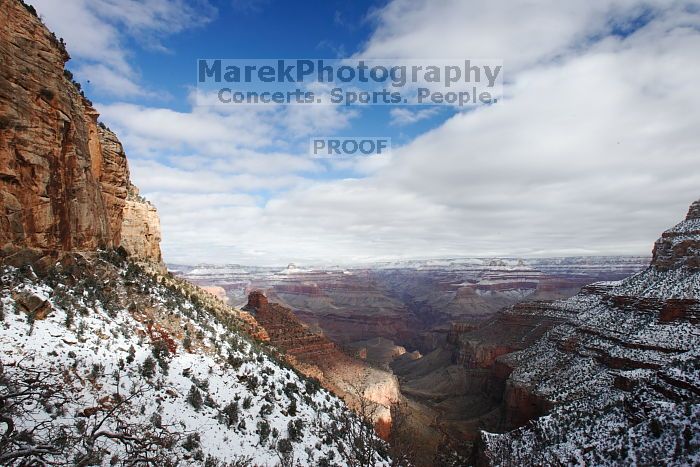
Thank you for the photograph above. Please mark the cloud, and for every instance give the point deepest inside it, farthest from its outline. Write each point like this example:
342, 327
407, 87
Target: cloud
401, 116
96, 31
595, 151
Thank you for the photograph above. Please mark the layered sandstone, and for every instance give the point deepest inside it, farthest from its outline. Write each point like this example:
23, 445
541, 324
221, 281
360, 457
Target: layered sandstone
140, 228
63, 177
315, 355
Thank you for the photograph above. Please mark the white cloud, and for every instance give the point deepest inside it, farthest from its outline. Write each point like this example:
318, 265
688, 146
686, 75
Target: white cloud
595, 152
95, 33
402, 116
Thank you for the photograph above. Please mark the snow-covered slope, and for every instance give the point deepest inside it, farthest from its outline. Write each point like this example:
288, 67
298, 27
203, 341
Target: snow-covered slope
106, 363
618, 383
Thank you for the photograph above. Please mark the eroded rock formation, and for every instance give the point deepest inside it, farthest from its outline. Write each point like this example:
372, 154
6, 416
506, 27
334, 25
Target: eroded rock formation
315, 355
617, 377
680, 245
64, 178
140, 229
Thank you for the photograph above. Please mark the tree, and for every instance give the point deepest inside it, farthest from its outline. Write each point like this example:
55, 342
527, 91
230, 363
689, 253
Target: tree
230, 413
161, 353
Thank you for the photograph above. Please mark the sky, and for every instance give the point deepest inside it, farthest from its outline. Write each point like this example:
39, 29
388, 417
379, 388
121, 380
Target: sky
595, 149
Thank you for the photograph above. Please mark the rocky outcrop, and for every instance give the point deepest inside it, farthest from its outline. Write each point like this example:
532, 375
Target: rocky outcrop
140, 228
680, 245
64, 178
286, 332
257, 301
617, 377
316, 356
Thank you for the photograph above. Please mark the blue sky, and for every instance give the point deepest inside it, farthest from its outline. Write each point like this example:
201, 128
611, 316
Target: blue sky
258, 30
594, 150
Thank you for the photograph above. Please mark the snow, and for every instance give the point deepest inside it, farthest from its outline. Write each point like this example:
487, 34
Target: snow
593, 421
101, 336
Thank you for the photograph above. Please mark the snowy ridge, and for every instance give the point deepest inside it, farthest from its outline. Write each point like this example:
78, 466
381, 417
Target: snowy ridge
676, 283
143, 353
624, 389
619, 382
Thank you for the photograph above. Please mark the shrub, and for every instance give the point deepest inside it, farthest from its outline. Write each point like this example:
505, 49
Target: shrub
131, 355
192, 442
252, 383
194, 398
46, 94
265, 410
148, 368
29, 8
284, 446
295, 430
210, 402
161, 353
247, 402
312, 386
234, 361
263, 431
230, 413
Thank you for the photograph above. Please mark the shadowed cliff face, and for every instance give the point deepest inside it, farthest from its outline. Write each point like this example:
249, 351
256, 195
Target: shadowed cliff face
316, 356
64, 179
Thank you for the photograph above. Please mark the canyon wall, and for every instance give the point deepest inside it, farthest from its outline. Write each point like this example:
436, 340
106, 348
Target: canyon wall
680, 245
363, 387
64, 178
617, 376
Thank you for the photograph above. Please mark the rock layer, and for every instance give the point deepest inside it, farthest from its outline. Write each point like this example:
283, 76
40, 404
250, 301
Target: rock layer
64, 178
680, 245
315, 355
617, 376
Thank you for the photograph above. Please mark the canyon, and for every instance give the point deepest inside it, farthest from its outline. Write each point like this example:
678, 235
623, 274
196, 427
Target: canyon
511, 363
477, 361
436, 326
413, 303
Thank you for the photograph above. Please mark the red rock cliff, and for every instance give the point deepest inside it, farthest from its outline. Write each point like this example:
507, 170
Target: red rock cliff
64, 179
